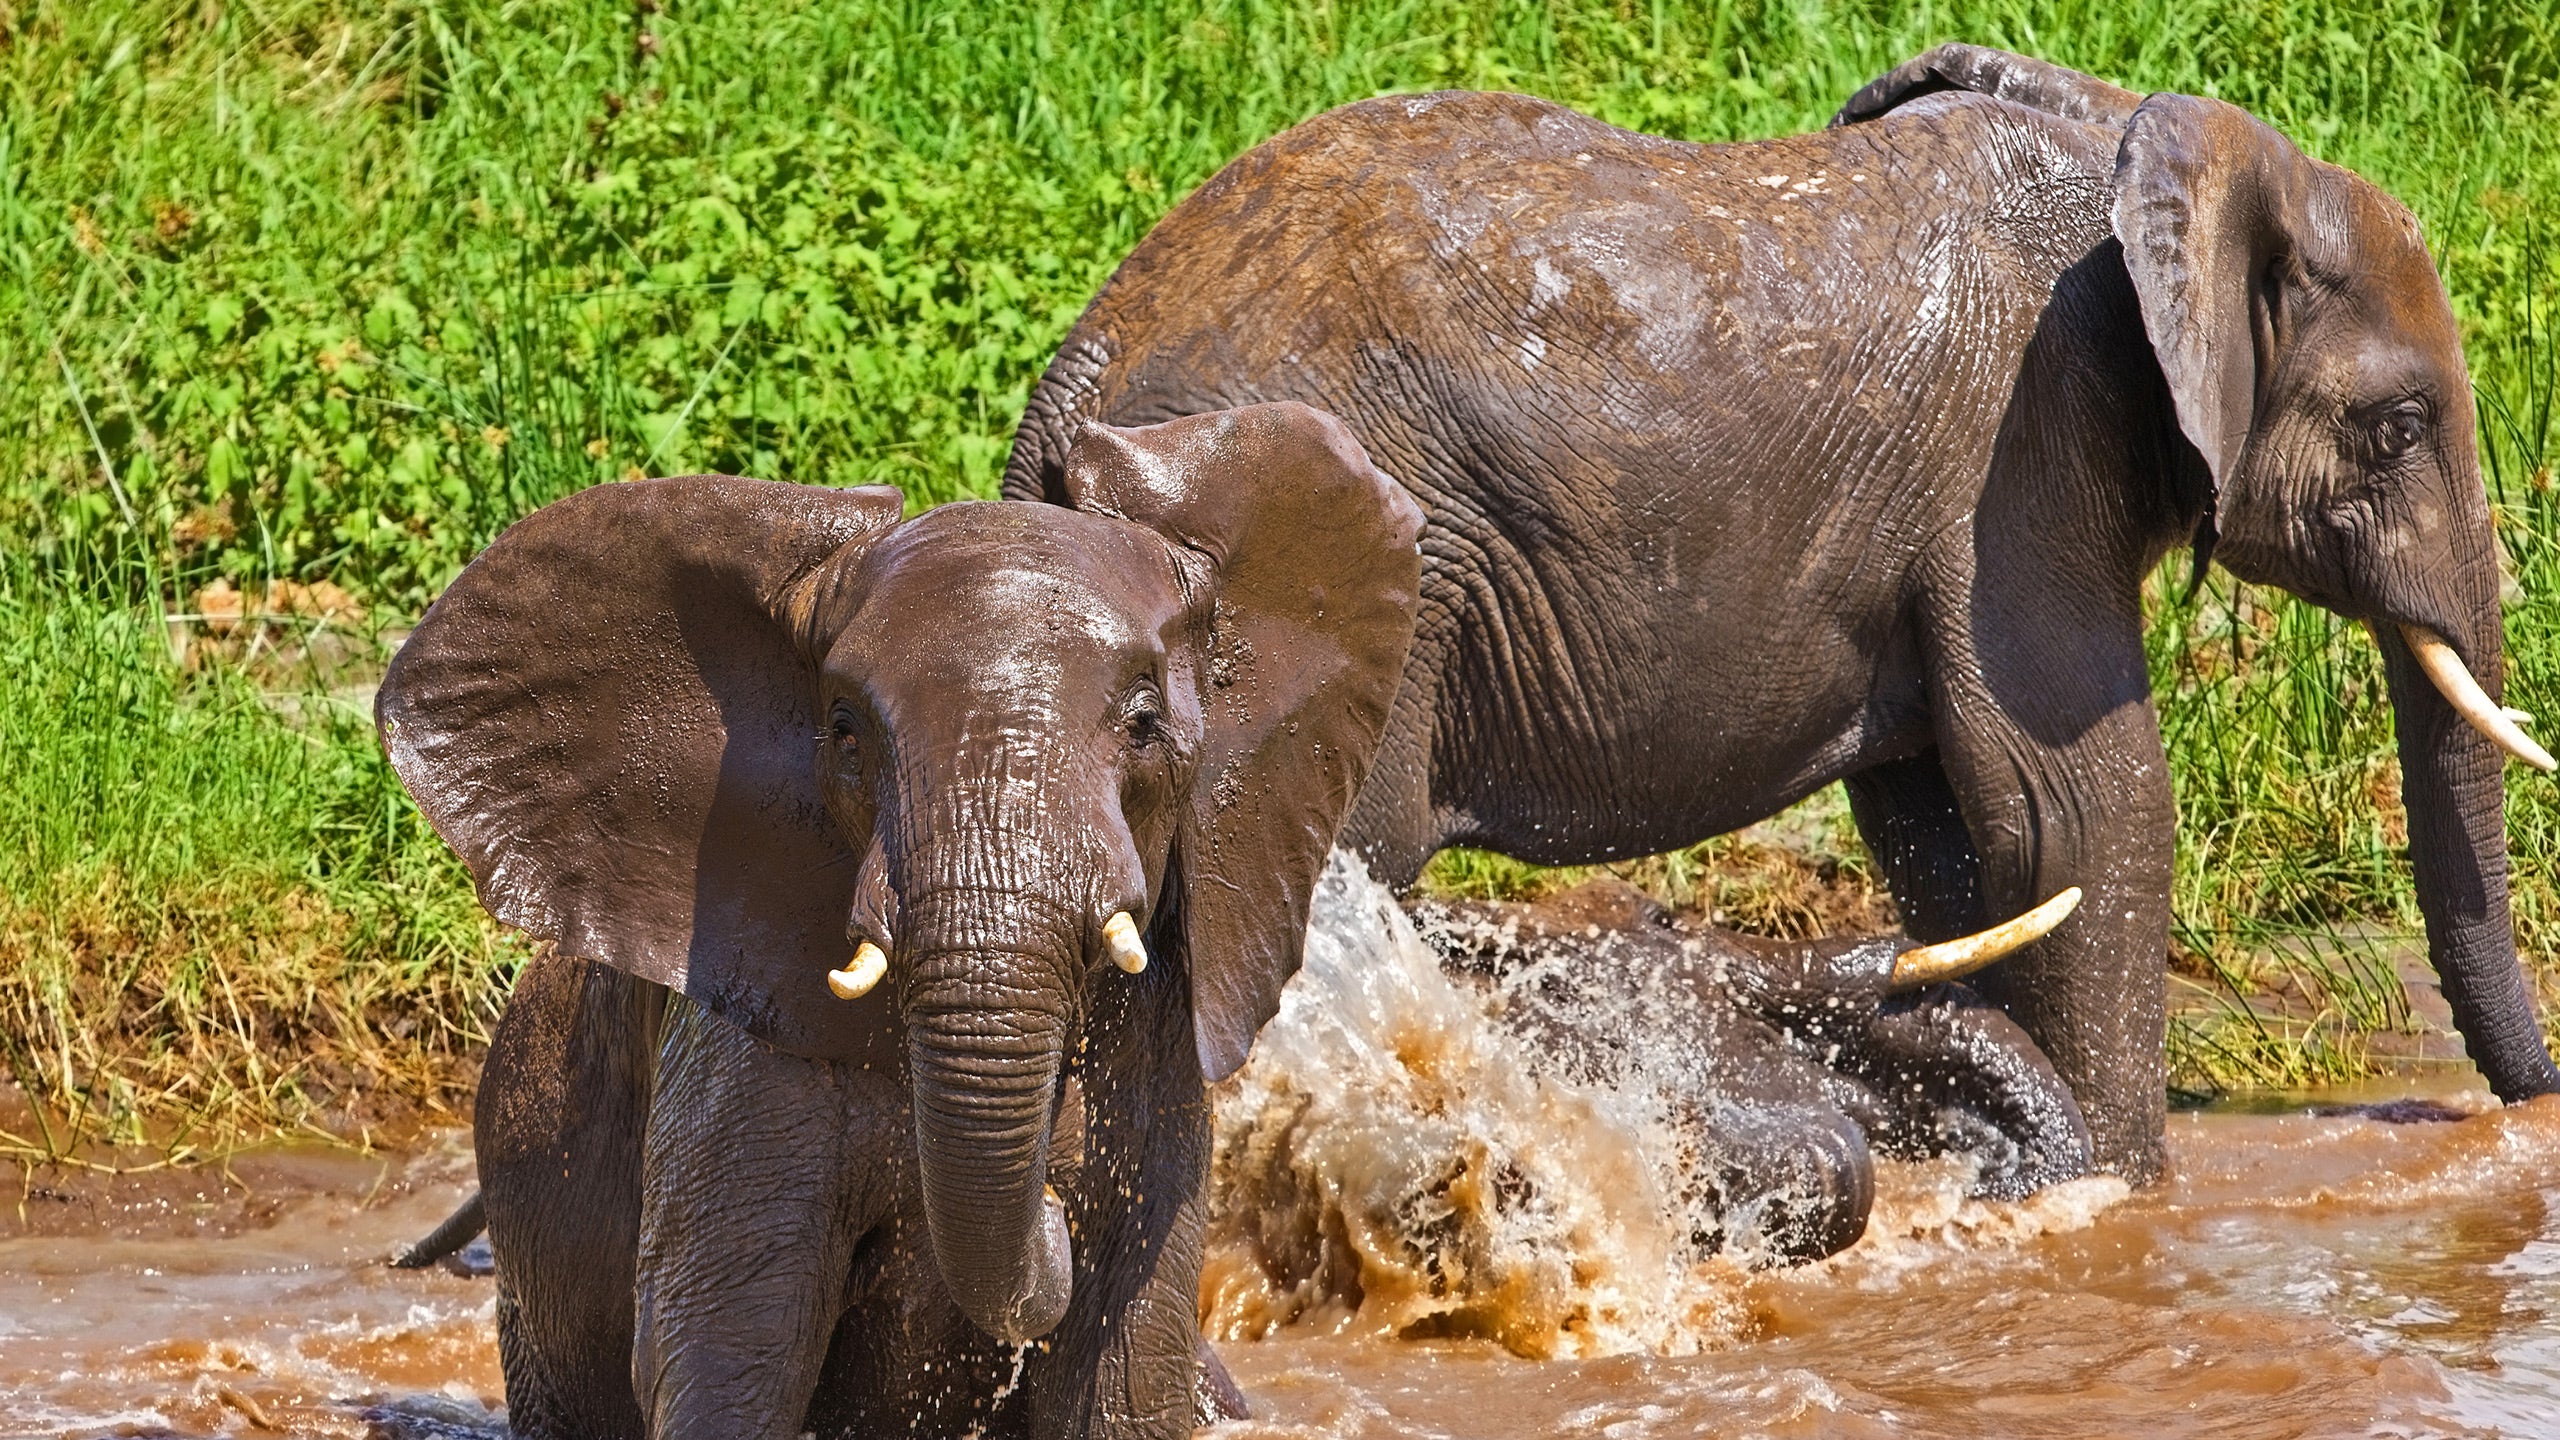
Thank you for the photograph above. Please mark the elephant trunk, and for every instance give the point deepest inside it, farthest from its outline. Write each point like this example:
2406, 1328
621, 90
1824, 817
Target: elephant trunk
2452, 785
986, 1039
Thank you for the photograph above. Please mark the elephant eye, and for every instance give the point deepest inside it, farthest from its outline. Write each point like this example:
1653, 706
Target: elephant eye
842, 727
2396, 431
1142, 717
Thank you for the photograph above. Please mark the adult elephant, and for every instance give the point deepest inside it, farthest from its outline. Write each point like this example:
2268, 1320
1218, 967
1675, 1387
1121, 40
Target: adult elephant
905, 884
1843, 457
1785, 1065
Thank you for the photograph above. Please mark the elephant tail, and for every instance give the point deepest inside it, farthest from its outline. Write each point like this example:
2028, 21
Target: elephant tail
1067, 395
459, 1229
2036, 84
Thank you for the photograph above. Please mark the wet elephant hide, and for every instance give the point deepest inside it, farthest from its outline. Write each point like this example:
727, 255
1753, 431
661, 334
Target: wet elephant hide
1844, 457
1793, 1063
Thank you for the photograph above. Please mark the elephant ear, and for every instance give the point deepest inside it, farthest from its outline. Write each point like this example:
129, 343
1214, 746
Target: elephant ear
1313, 574
608, 715
2211, 207
2036, 84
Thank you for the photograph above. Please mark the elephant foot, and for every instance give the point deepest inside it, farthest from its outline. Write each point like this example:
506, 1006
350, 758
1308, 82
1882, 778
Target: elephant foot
433, 1417
1950, 1073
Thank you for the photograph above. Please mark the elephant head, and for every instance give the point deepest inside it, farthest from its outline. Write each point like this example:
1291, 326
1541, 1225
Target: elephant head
905, 794
2314, 364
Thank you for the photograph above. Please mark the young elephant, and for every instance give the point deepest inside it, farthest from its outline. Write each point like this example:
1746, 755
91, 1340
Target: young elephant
1786, 1065
1844, 456
906, 882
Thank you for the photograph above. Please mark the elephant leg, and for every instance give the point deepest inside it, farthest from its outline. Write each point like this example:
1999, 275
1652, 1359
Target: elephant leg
2093, 995
1911, 822
1787, 1165
1220, 1398
2052, 748
904, 1360
1992, 1091
562, 1108
1391, 824
1793, 1179
756, 1187
1130, 1362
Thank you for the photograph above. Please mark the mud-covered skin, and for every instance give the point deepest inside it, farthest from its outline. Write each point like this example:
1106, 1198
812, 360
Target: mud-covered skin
1797, 1065
1843, 456
830, 1105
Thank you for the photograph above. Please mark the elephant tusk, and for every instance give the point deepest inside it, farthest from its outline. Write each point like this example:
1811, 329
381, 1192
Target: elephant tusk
855, 980
2453, 681
1120, 937
1930, 964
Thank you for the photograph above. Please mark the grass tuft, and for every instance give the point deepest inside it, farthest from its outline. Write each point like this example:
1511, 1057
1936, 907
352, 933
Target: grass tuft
215, 920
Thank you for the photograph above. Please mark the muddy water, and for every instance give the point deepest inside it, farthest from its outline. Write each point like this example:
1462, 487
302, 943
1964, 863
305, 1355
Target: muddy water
207, 1304
1392, 1172
2299, 1276
1419, 1237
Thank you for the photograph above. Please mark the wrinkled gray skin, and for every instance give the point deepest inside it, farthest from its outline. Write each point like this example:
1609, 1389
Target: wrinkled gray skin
1787, 1064
705, 736
1843, 456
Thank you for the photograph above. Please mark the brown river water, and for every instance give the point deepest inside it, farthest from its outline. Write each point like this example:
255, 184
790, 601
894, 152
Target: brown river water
2298, 1274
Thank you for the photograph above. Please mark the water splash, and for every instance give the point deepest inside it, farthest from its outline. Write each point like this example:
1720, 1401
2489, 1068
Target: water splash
1925, 1215
1395, 1161
1391, 1162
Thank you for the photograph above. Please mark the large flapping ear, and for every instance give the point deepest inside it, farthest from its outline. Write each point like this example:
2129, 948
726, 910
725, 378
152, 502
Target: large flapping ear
1314, 574
609, 717
2036, 84
2210, 206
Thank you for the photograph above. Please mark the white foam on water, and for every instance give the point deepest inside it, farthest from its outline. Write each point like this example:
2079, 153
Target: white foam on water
1923, 1216
228, 1348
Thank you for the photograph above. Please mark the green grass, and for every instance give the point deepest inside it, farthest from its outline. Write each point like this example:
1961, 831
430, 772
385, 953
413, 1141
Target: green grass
309, 290
213, 914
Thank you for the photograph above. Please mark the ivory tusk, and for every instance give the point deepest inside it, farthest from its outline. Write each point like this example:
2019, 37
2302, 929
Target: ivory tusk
855, 980
1930, 964
1120, 937
2453, 681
